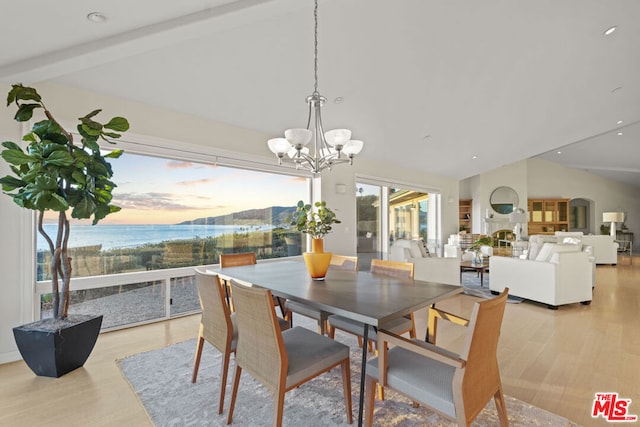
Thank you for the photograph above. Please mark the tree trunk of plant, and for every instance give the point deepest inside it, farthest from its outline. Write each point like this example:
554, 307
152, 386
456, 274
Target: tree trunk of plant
60, 265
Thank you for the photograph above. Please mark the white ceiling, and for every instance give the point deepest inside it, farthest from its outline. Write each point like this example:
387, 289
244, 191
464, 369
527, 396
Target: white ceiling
426, 83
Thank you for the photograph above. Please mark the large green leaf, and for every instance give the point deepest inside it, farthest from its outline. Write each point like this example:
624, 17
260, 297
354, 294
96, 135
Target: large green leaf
91, 131
10, 183
11, 145
119, 124
16, 157
25, 112
84, 208
91, 114
50, 147
114, 154
22, 93
59, 158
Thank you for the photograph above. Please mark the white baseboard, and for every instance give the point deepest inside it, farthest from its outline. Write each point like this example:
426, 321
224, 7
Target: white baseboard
10, 356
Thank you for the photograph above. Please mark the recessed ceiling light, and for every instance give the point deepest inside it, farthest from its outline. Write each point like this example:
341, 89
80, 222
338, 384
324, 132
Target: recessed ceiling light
338, 100
558, 152
619, 133
474, 157
97, 17
610, 30
619, 122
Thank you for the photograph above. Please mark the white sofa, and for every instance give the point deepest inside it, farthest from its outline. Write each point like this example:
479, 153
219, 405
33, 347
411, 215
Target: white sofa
426, 267
605, 249
559, 274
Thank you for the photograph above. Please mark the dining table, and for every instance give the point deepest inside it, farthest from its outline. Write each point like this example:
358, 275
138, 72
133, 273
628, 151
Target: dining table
372, 299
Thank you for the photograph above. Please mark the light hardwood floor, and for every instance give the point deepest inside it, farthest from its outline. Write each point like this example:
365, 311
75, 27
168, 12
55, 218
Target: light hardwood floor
556, 360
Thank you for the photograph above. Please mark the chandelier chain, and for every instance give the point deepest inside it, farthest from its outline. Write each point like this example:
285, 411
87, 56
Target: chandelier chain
315, 51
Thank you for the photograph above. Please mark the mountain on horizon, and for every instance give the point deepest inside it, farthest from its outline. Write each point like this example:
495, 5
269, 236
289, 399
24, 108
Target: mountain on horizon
275, 215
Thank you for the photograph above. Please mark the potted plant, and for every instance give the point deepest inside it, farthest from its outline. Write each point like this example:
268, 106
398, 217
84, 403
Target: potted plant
317, 223
55, 174
475, 248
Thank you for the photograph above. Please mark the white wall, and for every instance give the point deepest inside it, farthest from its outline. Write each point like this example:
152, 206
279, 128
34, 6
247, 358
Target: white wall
67, 104
15, 303
538, 178
548, 179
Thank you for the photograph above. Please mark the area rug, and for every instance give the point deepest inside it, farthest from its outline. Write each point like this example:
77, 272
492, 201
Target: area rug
472, 287
162, 380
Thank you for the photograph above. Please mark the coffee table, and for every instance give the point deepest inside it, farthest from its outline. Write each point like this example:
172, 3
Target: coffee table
474, 266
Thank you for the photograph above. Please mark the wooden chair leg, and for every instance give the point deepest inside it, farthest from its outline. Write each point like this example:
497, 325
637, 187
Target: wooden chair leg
234, 392
432, 324
502, 408
412, 332
223, 379
369, 400
196, 364
279, 407
346, 385
332, 331
322, 327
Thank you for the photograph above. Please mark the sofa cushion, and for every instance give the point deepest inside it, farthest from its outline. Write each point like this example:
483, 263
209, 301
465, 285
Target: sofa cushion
549, 249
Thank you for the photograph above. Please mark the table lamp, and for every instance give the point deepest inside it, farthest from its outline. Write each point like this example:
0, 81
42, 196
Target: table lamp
613, 217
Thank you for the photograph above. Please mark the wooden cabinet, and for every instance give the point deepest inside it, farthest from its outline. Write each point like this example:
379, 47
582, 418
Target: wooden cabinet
546, 216
464, 219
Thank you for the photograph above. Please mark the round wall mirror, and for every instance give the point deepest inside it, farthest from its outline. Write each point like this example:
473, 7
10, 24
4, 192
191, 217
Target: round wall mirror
504, 200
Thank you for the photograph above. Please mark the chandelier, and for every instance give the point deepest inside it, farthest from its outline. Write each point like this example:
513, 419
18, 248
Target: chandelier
329, 148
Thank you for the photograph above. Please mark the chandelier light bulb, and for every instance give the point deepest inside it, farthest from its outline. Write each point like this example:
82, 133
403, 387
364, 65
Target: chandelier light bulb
337, 137
279, 146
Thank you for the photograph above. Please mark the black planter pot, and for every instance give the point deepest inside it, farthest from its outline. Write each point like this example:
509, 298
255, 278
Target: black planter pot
53, 352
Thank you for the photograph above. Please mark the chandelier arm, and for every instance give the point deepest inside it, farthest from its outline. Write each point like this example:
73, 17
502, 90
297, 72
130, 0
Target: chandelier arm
309, 118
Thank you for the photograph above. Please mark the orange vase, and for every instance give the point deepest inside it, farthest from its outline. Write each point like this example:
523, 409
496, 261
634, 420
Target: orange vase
317, 260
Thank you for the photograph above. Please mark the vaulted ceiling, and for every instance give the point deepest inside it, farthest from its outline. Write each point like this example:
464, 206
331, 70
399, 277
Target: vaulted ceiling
454, 87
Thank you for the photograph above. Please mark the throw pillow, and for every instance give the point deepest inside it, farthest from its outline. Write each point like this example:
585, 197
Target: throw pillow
545, 252
414, 247
534, 248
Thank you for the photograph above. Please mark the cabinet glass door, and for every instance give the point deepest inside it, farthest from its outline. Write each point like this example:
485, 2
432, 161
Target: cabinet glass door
536, 211
549, 211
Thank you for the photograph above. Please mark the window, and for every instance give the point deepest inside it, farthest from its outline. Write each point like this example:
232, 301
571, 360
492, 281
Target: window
178, 214
175, 214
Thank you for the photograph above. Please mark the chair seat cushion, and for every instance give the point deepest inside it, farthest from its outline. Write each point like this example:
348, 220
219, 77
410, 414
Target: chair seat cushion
309, 353
419, 378
306, 310
396, 326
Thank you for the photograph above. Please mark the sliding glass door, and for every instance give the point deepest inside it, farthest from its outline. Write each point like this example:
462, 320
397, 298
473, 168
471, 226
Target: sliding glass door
386, 213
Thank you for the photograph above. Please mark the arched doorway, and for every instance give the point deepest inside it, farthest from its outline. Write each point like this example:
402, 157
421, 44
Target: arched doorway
580, 215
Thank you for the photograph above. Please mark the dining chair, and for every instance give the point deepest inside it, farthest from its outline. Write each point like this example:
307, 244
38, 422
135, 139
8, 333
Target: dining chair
458, 386
239, 259
217, 326
281, 361
341, 262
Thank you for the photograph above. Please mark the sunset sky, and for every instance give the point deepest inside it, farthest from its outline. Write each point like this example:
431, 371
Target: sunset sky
161, 191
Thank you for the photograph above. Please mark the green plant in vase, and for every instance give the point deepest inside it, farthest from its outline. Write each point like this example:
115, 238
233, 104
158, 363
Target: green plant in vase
55, 174
317, 223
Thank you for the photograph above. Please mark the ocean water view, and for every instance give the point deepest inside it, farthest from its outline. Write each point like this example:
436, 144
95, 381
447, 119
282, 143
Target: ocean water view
112, 236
